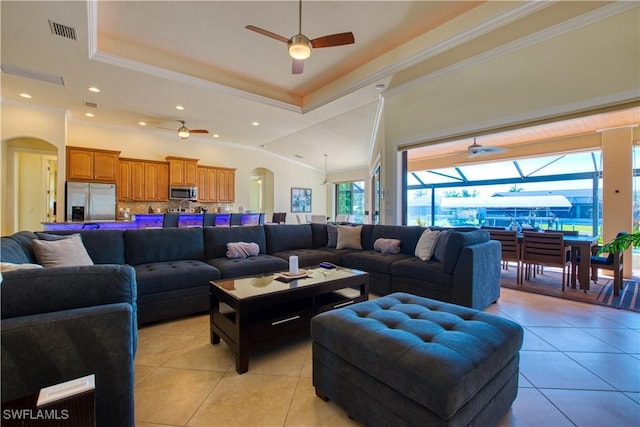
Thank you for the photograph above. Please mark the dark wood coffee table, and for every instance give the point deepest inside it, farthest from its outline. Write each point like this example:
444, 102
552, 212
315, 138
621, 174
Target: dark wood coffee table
250, 313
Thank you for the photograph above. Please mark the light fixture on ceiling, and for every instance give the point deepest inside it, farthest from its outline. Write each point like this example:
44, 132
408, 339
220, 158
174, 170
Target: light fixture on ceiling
325, 182
183, 132
299, 47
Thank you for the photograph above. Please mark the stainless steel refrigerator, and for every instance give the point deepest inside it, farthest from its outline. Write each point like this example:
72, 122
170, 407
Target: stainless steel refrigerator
88, 201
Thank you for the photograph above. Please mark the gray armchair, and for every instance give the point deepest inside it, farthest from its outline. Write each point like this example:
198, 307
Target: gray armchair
62, 323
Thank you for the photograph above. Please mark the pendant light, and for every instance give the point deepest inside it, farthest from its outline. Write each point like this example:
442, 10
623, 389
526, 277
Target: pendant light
325, 182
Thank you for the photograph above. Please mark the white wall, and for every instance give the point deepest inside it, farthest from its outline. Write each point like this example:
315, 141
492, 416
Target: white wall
28, 128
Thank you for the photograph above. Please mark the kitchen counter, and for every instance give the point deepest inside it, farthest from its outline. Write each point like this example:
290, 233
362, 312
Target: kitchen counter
90, 225
145, 220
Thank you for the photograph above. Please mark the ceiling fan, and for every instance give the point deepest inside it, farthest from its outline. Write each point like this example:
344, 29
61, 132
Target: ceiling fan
476, 150
300, 45
184, 131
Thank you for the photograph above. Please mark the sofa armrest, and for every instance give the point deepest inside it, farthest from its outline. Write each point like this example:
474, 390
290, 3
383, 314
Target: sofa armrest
44, 290
476, 277
47, 349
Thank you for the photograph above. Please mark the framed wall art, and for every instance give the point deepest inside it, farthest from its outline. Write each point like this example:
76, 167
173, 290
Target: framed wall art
300, 199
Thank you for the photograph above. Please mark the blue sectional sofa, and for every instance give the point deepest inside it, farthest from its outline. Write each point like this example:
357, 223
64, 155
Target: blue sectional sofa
60, 323
173, 267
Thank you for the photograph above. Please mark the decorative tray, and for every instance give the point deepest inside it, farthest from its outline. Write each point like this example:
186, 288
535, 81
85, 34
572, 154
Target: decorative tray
290, 276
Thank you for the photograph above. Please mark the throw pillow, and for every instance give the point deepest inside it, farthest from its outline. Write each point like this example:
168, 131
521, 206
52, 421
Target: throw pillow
9, 266
52, 237
332, 236
349, 237
242, 249
426, 245
441, 245
63, 252
387, 246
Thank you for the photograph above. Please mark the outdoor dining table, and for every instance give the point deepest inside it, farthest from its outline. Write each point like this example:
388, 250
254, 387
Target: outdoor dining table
582, 246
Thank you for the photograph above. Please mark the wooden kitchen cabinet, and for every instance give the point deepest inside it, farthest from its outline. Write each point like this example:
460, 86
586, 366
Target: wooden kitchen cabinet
143, 180
86, 164
163, 182
123, 184
207, 190
226, 185
183, 171
137, 180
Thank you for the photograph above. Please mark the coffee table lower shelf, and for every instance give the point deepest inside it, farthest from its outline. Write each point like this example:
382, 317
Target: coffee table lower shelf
271, 317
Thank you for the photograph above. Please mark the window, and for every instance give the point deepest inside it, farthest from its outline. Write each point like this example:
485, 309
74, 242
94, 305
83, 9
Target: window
350, 200
558, 192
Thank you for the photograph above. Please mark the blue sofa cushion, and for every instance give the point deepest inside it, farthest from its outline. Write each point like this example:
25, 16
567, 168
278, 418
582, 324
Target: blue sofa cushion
458, 240
216, 239
44, 290
287, 237
24, 240
320, 234
163, 244
415, 268
239, 267
310, 257
103, 246
371, 261
161, 277
13, 252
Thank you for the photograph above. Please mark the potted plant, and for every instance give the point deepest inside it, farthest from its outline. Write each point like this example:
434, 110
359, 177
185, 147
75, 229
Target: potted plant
621, 243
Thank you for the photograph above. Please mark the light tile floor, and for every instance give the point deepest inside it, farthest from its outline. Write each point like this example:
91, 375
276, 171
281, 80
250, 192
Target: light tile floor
580, 366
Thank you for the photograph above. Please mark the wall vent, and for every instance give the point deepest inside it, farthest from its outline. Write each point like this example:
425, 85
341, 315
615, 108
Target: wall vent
62, 30
32, 74
89, 104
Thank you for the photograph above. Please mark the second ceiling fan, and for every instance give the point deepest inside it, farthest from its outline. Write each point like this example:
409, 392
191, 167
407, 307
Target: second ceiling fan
300, 45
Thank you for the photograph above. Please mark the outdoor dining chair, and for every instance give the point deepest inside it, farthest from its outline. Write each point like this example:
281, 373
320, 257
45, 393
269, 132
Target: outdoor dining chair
546, 249
510, 248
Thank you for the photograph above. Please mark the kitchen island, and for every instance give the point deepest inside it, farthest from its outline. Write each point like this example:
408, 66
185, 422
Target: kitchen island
152, 220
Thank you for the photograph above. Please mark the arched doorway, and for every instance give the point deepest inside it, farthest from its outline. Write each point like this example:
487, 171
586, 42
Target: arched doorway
31, 184
261, 191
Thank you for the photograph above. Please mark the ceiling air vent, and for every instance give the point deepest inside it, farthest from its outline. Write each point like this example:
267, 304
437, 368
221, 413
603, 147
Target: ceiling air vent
62, 30
89, 104
32, 74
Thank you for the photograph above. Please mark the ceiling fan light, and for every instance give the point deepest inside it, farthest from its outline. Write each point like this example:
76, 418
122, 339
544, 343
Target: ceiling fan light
299, 47
183, 132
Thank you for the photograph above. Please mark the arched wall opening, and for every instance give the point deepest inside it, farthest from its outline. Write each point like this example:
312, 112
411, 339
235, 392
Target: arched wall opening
30, 184
261, 189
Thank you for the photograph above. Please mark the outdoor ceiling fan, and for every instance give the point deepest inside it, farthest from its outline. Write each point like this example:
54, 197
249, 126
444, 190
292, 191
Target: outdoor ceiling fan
300, 46
477, 150
184, 131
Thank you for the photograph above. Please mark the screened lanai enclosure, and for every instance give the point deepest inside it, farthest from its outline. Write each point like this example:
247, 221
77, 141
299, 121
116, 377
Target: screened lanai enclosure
561, 192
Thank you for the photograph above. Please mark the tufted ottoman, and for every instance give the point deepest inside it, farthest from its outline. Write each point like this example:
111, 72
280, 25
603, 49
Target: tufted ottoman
407, 360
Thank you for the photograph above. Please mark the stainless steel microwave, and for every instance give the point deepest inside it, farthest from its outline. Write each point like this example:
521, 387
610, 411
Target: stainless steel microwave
183, 193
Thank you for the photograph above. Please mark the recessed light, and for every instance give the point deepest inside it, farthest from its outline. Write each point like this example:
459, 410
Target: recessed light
94, 89
179, 107
255, 124
25, 95
215, 135
89, 114
142, 123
